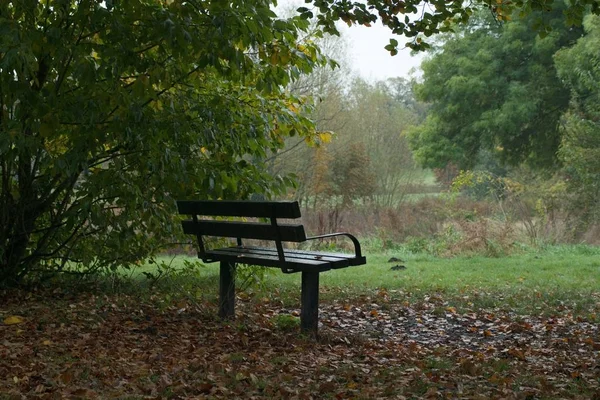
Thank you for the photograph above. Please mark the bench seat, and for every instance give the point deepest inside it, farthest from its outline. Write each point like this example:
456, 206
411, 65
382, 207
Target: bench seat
295, 260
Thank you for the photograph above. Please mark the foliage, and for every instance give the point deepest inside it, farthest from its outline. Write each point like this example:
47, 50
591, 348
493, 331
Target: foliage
480, 184
351, 174
111, 110
250, 277
418, 20
579, 68
493, 88
286, 322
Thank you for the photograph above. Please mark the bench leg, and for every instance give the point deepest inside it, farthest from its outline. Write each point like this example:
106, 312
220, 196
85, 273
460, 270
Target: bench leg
227, 290
309, 314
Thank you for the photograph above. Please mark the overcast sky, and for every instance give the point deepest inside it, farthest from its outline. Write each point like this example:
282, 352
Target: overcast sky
366, 50
369, 58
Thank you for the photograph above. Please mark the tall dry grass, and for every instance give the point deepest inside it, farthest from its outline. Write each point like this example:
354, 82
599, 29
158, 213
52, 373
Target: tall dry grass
453, 225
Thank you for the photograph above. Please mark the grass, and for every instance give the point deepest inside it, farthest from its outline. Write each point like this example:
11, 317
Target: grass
548, 279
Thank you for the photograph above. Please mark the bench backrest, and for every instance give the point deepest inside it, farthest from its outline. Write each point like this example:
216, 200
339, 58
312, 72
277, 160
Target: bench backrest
272, 230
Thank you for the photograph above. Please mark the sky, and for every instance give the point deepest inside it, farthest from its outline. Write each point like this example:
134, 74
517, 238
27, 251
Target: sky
367, 55
369, 58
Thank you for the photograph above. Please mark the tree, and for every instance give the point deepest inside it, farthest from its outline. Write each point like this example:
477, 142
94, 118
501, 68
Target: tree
326, 86
369, 156
579, 68
351, 174
378, 116
493, 88
111, 110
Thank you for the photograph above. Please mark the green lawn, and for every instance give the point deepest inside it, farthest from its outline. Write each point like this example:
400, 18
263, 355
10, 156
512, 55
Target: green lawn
546, 279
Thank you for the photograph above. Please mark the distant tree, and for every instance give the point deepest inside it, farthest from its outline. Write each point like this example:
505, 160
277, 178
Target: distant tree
326, 87
494, 88
352, 175
579, 68
378, 115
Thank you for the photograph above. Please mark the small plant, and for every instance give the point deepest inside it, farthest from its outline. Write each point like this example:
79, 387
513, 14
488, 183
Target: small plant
286, 322
417, 245
236, 357
251, 277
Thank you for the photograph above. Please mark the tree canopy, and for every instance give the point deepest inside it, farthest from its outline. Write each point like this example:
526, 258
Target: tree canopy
418, 19
494, 88
111, 110
579, 68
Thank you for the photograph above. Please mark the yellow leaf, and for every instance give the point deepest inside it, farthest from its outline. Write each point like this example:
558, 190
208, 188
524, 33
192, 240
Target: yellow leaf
157, 105
240, 377
293, 107
47, 342
303, 49
13, 320
325, 137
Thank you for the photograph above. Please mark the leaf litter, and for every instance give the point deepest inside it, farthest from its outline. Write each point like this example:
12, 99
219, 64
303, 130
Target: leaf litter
89, 346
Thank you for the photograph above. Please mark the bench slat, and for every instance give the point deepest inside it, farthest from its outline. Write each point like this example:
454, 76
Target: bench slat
336, 262
240, 208
291, 255
234, 255
333, 256
246, 230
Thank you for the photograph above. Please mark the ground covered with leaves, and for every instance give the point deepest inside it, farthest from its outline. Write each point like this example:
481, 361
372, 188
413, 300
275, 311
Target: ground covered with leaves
380, 345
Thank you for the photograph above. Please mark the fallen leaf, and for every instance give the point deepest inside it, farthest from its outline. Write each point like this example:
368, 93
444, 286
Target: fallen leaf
13, 320
205, 388
66, 377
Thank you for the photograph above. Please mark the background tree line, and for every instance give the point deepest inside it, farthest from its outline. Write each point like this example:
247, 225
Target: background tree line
518, 107
513, 110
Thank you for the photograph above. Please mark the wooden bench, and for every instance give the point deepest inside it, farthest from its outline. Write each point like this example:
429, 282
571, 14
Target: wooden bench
309, 263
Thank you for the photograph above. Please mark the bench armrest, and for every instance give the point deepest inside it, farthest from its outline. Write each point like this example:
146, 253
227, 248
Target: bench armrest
357, 251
